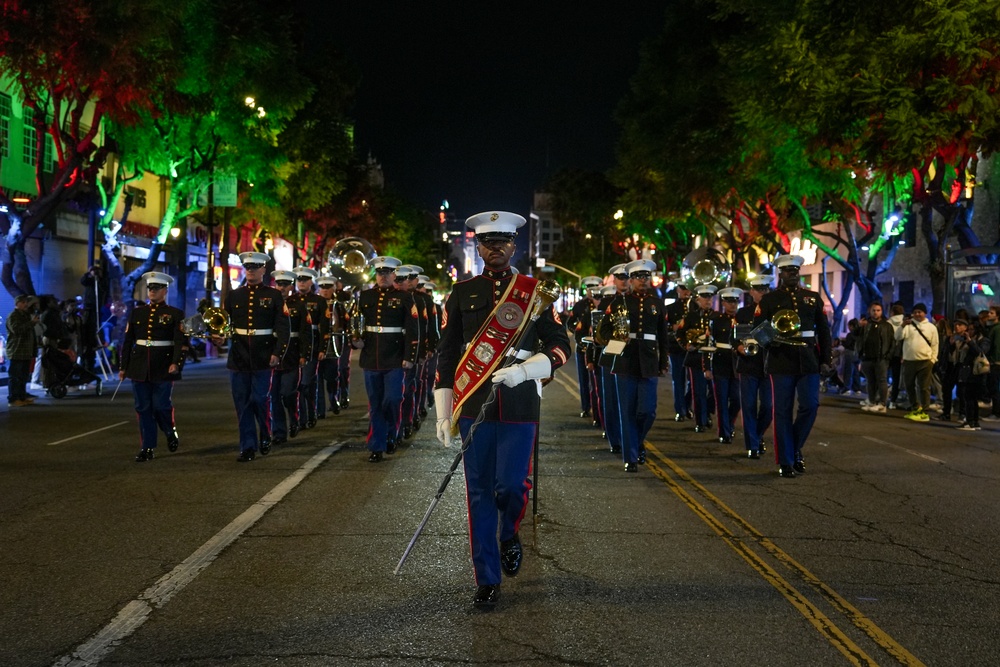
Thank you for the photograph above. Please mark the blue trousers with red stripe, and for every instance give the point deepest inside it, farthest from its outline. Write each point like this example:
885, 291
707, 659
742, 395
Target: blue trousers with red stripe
497, 480
153, 406
251, 396
385, 406
791, 432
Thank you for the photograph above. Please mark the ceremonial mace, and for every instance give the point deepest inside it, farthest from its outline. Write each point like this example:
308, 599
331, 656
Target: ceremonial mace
546, 293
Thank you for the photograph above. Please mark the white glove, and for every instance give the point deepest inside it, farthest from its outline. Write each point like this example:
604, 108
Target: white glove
537, 367
444, 401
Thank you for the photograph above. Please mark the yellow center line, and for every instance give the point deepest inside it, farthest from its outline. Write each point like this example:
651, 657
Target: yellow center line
859, 620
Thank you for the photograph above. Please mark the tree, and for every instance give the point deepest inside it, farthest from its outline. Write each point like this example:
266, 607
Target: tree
73, 64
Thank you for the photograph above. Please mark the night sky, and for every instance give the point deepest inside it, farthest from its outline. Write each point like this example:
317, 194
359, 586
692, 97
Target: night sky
479, 103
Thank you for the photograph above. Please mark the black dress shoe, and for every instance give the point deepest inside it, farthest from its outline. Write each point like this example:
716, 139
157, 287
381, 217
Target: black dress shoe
246, 456
390, 446
511, 555
407, 432
679, 417
631, 467
786, 471
335, 408
144, 455
709, 422
423, 413
346, 403
584, 413
376, 457
700, 429
265, 446
725, 440
173, 441
799, 467
763, 448
293, 430
642, 455
616, 450
278, 440
416, 424
311, 423
753, 454
595, 424
486, 597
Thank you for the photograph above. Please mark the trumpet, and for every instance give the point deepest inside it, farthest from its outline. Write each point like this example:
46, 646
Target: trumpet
615, 326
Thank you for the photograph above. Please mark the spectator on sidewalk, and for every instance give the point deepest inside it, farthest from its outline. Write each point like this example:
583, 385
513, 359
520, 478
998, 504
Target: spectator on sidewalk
920, 350
876, 342
22, 345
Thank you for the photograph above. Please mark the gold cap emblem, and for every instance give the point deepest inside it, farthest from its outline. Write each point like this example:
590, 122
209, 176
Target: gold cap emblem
494, 217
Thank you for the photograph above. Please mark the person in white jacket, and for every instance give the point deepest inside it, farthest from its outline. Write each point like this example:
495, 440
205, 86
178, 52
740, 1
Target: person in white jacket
920, 352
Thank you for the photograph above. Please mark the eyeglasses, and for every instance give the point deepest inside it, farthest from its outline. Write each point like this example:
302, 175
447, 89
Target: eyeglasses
789, 269
384, 271
153, 288
641, 275
302, 279
731, 299
621, 276
492, 241
253, 266
283, 283
401, 279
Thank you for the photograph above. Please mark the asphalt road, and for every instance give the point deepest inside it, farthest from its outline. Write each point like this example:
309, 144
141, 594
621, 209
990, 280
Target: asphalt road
883, 553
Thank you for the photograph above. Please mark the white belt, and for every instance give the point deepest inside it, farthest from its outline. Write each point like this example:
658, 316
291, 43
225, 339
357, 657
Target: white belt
294, 334
315, 326
384, 329
522, 354
724, 346
154, 343
253, 332
807, 334
644, 336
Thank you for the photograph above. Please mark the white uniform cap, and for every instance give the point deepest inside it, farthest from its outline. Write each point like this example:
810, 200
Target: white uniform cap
730, 293
761, 281
788, 260
592, 281
616, 269
326, 281
495, 222
383, 262
608, 290
424, 279
404, 271
429, 285
305, 272
640, 265
706, 290
414, 269
253, 258
283, 275
156, 278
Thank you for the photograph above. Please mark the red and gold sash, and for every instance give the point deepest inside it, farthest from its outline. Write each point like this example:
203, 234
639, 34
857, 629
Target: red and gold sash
489, 346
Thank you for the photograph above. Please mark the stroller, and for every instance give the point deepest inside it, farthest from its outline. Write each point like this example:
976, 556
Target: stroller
59, 373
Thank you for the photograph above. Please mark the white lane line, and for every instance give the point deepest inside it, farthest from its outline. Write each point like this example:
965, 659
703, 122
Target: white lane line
135, 613
573, 391
908, 451
84, 435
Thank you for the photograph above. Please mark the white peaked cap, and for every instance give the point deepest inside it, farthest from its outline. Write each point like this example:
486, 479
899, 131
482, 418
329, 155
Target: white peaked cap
157, 278
640, 265
730, 292
254, 257
283, 275
383, 262
788, 260
305, 272
706, 290
495, 222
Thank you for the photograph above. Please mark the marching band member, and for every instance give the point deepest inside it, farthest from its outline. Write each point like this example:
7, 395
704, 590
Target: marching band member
579, 323
482, 316
388, 346
344, 296
727, 385
406, 280
315, 307
643, 360
260, 328
675, 313
755, 386
329, 367
612, 413
151, 358
428, 364
698, 320
795, 369
285, 382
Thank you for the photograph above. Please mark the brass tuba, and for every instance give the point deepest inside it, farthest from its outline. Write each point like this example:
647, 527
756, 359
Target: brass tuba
783, 327
212, 322
356, 319
706, 266
348, 260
